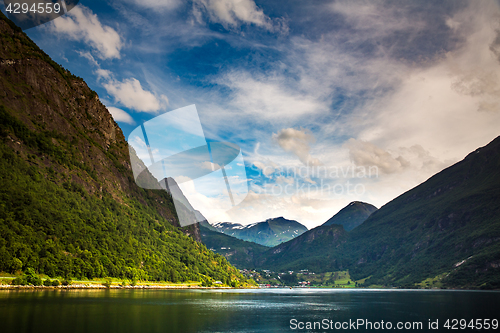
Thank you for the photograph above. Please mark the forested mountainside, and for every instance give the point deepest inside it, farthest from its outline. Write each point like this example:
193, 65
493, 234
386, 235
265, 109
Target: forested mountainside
448, 226
69, 205
321, 240
445, 232
239, 252
316, 250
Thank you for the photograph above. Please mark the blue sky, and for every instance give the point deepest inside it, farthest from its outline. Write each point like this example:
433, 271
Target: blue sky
316, 93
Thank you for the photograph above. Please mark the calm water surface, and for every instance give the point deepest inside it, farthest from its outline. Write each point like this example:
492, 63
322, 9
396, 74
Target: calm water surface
268, 310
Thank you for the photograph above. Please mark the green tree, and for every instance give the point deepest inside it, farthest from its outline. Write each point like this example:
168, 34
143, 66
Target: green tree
17, 265
32, 278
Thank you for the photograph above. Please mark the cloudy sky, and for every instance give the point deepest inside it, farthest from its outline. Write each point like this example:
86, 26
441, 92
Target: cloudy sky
330, 101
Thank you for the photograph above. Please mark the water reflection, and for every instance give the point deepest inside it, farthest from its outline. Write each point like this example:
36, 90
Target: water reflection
227, 310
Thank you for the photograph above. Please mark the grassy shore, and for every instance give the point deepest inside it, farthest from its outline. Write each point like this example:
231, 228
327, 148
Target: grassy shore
101, 285
107, 283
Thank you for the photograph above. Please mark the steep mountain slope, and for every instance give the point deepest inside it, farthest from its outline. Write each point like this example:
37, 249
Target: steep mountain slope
208, 226
69, 205
268, 233
317, 250
352, 215
238, 252
186, 214
446, 229
448, 224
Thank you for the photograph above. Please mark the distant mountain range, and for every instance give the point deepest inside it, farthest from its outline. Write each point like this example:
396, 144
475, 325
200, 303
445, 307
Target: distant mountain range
352, 215
239, 252
268, 233
243, 254
445, 232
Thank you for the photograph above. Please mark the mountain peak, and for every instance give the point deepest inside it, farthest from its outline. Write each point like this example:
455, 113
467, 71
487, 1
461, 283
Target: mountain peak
270, 232
352, 215
276, 219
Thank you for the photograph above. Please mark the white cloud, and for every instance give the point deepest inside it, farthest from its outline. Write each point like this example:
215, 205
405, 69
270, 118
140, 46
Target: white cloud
103, 73
89, 57
206, 195
285, 180
128, 92
366, 154
266, 168
270, 98
81, 24
233, 13
411, 120
120, 115
478, 82
297, 142
450, 107
309, 180
131, 94
374, 18
421, 159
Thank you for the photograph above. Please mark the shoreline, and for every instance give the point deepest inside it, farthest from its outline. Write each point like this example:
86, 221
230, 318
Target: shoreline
4, 287
100, 286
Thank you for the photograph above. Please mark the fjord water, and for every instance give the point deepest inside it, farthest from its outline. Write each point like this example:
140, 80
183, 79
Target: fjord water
265, 310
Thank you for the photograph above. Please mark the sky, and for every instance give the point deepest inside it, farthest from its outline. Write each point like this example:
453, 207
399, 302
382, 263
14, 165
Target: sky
330, 101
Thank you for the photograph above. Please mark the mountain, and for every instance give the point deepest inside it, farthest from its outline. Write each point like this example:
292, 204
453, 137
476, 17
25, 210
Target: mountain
69, 205
449, 225
238, 252
208, 226
245, 254
268, 233
185, 212
352, 215
444, 232
315, 250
